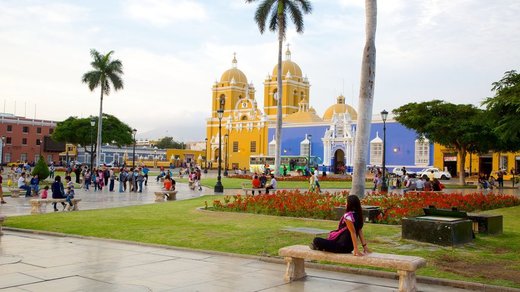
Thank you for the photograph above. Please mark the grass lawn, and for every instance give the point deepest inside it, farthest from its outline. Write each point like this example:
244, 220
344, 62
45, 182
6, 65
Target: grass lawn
489, 259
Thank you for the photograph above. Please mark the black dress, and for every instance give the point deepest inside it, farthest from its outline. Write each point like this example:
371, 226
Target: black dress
343, 243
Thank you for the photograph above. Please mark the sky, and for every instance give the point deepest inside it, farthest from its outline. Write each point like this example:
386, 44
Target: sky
174, 50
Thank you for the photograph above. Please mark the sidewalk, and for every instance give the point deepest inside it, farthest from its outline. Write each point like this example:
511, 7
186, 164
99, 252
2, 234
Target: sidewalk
36, 262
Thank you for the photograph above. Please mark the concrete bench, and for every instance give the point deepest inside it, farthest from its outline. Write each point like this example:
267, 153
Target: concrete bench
168, 195
40, 205
405, 265
428, 192
247, 188
15, 193
2, 218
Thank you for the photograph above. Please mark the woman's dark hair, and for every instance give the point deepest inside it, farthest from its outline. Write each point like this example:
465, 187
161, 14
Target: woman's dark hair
354, 205
57, 178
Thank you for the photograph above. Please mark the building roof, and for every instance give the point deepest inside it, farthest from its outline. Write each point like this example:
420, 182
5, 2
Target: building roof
288, 66
233, 75
303, 117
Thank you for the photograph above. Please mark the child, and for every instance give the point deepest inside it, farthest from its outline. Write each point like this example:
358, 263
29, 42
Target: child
69, 197
45, 192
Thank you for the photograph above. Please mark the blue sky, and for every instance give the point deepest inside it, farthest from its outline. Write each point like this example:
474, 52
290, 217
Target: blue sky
173, 51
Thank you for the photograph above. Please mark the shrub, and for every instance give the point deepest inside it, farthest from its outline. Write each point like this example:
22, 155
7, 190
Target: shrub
41, 169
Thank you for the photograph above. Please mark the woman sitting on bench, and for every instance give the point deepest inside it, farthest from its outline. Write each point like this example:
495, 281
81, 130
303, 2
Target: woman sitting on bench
344, 239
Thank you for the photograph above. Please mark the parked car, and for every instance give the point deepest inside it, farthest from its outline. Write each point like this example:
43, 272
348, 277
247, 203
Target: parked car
399, 171
438, 174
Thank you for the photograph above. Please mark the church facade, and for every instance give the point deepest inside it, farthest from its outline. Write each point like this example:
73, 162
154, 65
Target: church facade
328, 140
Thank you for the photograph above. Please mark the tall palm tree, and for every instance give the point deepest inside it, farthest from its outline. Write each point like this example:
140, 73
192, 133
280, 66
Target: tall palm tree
275, 11
366, 99
106, 72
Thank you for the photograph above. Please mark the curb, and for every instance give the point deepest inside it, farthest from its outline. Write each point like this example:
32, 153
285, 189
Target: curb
277, 260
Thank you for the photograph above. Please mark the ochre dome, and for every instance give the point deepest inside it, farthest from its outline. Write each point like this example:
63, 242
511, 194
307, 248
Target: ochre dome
303, 117
340, 108
233, 74
288, 66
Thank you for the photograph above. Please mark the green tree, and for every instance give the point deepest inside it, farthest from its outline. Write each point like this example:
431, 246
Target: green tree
366, 99
79, 132
504, 110
462, 127
169, 143
41, 169
276, 13
105, 72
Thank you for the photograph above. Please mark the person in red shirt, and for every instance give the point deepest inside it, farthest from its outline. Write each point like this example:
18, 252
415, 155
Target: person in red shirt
256, 184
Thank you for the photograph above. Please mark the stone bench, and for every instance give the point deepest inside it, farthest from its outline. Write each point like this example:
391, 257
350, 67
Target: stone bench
246, 189
428, 192
168, 195
40, 205
2, 218
405, 265
15, 193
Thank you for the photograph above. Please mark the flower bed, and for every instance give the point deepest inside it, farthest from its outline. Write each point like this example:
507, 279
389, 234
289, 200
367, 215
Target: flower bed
295, 203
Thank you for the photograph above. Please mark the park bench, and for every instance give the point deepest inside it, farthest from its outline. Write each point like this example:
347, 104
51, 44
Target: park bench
428, 192
39, 205
471, 181
405, 265
2, 218
168, 195
248, 188
15, 193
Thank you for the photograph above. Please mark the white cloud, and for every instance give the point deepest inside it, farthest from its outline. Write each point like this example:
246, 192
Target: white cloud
165, 12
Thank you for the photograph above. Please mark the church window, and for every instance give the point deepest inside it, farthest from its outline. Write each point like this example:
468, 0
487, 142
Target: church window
422, 152
244, 118
272, 148
235, 146
376, 151
253, 147
244, 104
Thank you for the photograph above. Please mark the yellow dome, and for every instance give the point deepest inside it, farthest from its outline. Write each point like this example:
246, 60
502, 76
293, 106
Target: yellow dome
288, 66
303, 117
340, 108
233, 74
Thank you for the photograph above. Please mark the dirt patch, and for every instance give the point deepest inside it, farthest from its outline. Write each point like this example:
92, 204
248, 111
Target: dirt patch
488, 270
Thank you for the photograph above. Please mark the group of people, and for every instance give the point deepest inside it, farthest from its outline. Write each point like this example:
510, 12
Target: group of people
488, 182
260, 182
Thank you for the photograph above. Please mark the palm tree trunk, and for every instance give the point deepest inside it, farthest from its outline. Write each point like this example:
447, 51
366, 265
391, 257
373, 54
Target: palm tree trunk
100, 127
277, 159
366, 100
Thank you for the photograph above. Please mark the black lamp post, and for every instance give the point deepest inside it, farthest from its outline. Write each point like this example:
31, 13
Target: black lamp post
206, 160
226, 159
309, 137
92, 124
2, 152
384, 187
219, 188
134, 131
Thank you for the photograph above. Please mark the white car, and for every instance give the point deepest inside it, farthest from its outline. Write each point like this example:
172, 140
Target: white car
438, 174
399, 171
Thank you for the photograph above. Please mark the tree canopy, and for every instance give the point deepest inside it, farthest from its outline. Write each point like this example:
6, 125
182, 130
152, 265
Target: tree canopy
169, 143
79, 131
504, 110
462, 127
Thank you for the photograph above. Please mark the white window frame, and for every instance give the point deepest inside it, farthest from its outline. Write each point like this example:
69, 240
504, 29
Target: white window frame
422, 152
376, 153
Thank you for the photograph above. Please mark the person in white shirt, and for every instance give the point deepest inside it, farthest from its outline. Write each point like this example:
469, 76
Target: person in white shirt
23, 186
271, 185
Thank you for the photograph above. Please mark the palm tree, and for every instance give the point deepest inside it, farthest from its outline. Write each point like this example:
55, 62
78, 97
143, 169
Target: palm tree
106, 72
366, 99
275, 11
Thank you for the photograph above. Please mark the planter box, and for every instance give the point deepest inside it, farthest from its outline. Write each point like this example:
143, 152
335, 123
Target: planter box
438, 230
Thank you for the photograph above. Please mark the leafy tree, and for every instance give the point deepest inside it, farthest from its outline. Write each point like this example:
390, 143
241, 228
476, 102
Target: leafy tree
462, 127
79, 132
105, 72
41, 169
169, 143
504, 110
275, 12
366, 100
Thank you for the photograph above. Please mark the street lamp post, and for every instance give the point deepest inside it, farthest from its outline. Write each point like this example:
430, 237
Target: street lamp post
92, 124
226, 159
219, 188
134, 131
384, 187
309, 137
206, 153
2, 152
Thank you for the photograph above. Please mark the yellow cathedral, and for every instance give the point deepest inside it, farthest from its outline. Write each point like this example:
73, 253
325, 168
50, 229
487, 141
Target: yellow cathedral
244, 126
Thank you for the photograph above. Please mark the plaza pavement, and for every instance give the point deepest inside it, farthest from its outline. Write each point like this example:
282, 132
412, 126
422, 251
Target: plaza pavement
42, 262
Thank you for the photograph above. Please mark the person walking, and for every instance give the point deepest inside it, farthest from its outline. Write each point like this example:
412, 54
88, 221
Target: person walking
112, 180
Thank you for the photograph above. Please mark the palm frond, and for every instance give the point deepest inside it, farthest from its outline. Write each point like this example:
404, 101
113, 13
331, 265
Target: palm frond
305, 5
116, 80
262, 13
296, 16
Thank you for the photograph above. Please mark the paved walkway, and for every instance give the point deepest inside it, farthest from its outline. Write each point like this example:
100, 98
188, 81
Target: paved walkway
35, 262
